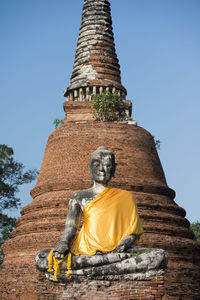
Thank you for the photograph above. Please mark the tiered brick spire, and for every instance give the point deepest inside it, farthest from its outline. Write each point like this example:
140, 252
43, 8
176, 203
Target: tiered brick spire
96, 67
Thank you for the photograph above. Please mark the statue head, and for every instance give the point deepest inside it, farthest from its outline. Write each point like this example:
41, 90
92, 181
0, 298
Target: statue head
102, 165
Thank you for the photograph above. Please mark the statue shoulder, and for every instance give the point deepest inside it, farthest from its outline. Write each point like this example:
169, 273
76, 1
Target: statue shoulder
83, 194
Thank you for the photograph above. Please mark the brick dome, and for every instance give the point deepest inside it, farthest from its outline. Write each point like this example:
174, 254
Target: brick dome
64, 171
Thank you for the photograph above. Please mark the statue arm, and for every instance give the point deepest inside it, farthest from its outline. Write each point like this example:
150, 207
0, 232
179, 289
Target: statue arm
72, 222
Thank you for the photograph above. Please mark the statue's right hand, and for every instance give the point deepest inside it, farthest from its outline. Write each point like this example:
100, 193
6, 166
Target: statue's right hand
61, 250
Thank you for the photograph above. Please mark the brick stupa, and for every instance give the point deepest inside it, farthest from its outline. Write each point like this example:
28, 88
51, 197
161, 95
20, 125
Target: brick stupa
64, 171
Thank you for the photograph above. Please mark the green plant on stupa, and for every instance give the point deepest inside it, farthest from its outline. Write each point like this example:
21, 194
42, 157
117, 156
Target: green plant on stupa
105, 106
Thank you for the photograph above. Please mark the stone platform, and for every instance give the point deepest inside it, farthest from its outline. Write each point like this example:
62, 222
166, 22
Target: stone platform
108, 290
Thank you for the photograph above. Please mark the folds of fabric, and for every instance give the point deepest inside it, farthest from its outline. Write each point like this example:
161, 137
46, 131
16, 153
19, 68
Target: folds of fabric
108, 218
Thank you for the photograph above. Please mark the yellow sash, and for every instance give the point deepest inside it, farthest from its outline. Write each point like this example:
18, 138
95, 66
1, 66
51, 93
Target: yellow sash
108, 218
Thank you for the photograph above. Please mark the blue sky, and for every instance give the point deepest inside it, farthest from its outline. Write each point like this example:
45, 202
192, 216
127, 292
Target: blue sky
158, 46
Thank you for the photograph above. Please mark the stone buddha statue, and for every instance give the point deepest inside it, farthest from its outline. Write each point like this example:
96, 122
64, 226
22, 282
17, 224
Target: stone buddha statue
105, 244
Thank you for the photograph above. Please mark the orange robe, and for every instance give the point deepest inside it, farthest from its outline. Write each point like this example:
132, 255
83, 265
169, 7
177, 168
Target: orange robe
108, 218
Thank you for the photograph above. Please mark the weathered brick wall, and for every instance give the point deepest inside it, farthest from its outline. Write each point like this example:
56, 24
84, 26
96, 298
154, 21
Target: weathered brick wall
69, 148
151, 289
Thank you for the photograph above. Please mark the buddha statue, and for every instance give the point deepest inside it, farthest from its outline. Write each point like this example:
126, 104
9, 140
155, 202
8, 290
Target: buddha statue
106, 241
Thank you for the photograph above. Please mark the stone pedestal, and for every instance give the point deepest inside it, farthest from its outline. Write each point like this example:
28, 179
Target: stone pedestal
149, 289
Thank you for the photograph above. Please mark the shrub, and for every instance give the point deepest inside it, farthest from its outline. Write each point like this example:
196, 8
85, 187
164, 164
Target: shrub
105, 105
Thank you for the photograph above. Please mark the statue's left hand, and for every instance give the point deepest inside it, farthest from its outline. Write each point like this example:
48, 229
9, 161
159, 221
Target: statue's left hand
126, 243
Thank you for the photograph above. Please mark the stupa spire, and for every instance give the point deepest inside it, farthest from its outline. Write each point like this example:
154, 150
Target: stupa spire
96, 66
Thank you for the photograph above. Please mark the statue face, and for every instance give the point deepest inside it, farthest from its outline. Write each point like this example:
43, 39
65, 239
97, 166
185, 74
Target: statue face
101, 168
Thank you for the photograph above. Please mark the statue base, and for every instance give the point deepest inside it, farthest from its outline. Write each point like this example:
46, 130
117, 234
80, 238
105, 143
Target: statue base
123, 289
32, 284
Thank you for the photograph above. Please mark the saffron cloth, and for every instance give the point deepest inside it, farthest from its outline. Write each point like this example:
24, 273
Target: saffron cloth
108, 218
